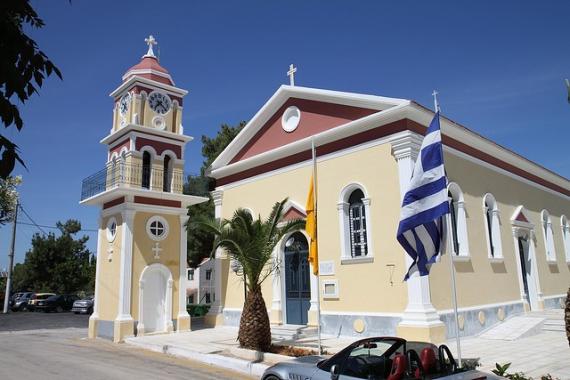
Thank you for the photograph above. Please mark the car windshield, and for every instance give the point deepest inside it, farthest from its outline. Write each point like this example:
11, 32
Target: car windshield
43, 296
376, 347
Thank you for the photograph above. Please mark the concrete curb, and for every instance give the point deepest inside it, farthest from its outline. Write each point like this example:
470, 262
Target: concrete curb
246, 367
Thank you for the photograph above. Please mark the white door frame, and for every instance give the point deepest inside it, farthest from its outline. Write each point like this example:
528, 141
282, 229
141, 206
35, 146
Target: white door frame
156, 267
279, 301
526, 230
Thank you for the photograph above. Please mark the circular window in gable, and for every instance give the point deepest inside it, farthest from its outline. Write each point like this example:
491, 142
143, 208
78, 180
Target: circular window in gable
157, 228
290, 119
111, 229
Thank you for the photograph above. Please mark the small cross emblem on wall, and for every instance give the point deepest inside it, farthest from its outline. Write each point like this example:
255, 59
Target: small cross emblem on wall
156, 250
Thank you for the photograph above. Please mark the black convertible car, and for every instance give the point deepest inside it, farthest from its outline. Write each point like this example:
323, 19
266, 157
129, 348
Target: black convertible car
385, 358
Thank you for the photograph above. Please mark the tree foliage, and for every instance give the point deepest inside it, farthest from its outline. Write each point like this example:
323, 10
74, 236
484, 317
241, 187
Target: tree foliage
8, 198
251, 242
59, 264
23, 69
200, 241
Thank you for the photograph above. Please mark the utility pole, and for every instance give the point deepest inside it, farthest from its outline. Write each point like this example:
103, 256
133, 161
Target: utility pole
11, 259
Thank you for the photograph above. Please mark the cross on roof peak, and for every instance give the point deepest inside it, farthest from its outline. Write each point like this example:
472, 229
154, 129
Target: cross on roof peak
150, 41
291, 74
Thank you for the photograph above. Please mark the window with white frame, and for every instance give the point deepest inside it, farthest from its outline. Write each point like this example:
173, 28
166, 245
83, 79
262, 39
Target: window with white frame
190, 274
354, 218
208, 274
357, 222
492, 227
460, 241
565, 236
548, 236
157, 228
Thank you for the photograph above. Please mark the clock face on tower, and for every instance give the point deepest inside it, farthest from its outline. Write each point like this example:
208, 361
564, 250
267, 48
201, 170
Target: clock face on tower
159, 102
124, 103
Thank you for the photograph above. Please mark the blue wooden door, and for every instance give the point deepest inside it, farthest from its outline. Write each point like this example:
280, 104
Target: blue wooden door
297, 281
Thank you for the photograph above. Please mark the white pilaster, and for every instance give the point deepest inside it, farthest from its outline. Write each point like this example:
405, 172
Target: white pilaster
419, 312
140, 324
276, 305
124, 314
182, 312
217, 304
169, 324
99, 258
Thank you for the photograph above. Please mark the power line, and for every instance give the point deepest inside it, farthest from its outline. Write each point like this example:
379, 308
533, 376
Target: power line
31, 220
55, 227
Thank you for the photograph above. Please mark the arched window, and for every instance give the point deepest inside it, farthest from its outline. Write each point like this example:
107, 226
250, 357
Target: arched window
146, 171
167, 174
565, 236
354, 217
548, 236
460, 240
492, 226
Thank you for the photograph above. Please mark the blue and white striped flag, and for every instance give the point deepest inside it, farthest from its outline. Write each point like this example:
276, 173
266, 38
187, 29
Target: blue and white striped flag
421, 220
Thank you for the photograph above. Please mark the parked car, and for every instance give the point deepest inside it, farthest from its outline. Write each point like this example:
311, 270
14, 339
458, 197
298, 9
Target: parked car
57, 303
38, 297
83, 306
20, 303
379, 358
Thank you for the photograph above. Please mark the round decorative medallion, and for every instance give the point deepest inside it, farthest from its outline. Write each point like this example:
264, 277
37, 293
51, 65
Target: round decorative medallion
481, 317
158, 122
290, 119
359, 326
501, 314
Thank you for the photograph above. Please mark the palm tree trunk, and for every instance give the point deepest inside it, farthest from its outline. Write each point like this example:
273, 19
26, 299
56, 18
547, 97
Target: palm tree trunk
254, 329
567, 316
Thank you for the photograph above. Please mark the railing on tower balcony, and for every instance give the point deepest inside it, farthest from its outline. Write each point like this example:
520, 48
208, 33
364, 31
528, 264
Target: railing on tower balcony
137, 176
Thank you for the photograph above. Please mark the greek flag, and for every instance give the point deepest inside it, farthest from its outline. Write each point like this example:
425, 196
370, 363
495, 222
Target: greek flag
421, 220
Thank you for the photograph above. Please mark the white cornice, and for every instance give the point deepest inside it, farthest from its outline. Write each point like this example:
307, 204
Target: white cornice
405, 110
283, 94
169, 136
129, 192
171, 90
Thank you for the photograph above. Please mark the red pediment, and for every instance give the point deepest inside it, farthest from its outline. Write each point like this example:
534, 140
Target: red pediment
292, 211
520, 217
316, 116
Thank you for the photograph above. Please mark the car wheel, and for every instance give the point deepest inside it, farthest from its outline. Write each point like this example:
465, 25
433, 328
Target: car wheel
75, 312
59, 309
271, 377
90, 311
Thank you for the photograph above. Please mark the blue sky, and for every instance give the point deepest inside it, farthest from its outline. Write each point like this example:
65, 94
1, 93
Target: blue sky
499, 68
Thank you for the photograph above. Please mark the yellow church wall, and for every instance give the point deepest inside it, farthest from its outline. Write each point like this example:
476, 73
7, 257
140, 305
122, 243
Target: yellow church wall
363, 287
143, 256
109, 276
480, 280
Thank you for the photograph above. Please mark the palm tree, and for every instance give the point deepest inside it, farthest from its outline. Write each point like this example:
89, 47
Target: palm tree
251, 243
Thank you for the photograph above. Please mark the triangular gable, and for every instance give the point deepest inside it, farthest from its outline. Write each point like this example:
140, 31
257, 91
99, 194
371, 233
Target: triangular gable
315, 117
292, 211
520, 217
320, 110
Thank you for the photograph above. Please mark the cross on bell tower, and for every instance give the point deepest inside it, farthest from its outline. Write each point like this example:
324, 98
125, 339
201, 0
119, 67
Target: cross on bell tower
291, 74
150, 41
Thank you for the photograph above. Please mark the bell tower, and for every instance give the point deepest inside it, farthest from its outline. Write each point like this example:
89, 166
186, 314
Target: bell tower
140, 284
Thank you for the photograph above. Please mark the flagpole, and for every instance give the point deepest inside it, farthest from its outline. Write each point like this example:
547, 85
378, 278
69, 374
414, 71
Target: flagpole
451, 250
314, 156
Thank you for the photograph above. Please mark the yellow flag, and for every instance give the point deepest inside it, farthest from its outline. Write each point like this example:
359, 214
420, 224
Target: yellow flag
311, 229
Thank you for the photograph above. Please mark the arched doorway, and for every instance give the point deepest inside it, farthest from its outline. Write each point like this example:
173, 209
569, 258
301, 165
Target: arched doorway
146, 170
155, 300
297, 279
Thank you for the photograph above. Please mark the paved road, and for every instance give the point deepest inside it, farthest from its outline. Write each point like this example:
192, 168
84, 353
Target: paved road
32, 346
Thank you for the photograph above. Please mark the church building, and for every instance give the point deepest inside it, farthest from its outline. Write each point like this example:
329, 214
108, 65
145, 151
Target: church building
140, 285
511, 233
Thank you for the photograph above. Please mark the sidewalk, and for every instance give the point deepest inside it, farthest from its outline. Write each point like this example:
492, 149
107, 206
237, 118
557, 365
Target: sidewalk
218, 346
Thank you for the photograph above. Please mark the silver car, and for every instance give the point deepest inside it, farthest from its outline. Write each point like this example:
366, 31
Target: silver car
386, 358
83, 306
